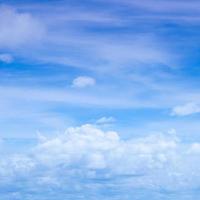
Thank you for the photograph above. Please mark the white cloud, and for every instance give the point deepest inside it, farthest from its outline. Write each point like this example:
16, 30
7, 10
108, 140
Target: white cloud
105, 120
18, 28
83, 145
83, 81
152, 161
7, 58
186, 109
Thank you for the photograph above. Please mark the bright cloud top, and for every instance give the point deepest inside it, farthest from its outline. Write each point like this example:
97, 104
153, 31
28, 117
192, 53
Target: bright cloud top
90, 154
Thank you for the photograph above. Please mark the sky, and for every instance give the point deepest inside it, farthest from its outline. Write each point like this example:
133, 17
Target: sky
99, 99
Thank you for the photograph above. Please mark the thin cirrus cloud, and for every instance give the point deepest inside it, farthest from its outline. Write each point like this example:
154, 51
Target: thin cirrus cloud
70, 97
103, 51
106, 51
164, 7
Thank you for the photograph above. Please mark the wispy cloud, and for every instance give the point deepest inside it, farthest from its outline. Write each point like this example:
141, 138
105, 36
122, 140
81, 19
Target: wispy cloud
69, 32
164, 7
18, 29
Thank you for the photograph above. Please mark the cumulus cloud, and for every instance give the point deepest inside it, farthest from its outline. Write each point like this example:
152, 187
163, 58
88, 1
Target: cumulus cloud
91, 154
18, 28
86, 161
6, 58
83, 145
83, 81
186, 109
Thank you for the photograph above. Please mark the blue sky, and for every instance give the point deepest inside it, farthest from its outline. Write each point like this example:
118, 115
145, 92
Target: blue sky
126, 66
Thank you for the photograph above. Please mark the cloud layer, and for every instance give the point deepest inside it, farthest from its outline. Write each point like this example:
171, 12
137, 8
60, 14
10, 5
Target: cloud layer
86, 159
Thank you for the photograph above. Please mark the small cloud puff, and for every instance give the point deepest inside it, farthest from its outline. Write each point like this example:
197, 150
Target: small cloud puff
6, 58
186, 109
105, 121
83, 81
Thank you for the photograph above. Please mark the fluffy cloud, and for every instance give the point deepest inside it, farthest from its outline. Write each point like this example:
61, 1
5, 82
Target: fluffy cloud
84, 145
6, 58
18, 28
186, 109
83, 81
86, 160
